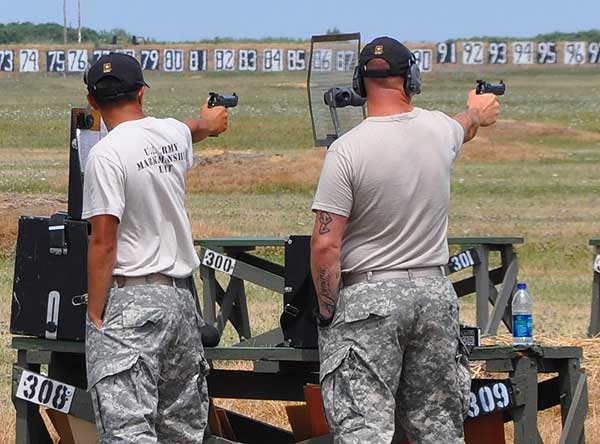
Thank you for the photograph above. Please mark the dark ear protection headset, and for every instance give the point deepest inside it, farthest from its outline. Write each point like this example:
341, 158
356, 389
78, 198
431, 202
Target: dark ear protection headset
412, 78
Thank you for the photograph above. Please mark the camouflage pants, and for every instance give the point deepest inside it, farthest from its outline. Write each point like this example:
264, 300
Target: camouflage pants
393, 357
146, 367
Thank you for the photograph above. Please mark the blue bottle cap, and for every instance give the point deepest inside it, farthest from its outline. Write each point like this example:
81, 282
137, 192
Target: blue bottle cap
521, 286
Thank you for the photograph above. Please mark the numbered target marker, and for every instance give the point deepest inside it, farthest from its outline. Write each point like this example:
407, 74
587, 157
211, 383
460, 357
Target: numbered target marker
198, 60
55, 61
424, 59
446, 52
218, 262
97, 53
247, 59
7, 57
498, 53
29, 60
224, 60
546, 53
489, 396
345, 60
575, 53
150, 59
273, 60
462, 260
472, 53
128, 51
522, 53
594, 53
321, 60
597, 264
44, 391
77, 60
173, 60
296, 59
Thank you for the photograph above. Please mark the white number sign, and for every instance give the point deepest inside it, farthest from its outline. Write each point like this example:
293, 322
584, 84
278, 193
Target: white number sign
546, 53
498, 53
321, 60
247, 59
446, 52
219, 262
77, 60
594, 53
462, 260
198, 60
99, 53
173, 60
488, 398
55, 61
29, 60
128, 51
150, 59
296, 59
472, 53
344, 60
575, 53
7, 60
597, 264
522, 53
224, 60
424, 59
273, 60
44, 391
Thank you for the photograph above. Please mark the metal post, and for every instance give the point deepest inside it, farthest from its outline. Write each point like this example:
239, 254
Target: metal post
30, 428
79, 21
594, 328
573, 394
524, 379
482, 285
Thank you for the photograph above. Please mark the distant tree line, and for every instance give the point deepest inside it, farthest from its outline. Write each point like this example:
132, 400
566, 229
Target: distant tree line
27, 32
592, 35
52, 33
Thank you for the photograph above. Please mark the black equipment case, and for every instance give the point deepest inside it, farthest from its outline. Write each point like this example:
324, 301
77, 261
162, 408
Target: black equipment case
50, 278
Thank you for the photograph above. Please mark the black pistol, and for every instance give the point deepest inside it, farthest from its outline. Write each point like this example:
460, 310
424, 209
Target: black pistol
216, 99
484, 87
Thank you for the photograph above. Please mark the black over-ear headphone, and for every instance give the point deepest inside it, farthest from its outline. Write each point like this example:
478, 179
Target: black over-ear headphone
412, 79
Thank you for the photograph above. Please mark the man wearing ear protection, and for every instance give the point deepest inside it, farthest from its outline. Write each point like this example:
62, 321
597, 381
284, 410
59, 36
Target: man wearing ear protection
145, 362
391, 356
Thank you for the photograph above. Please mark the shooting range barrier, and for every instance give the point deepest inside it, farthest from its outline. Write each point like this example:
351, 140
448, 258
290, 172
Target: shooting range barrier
281, 373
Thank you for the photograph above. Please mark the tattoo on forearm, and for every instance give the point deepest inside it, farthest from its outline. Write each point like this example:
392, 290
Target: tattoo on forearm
327, 296
324, 219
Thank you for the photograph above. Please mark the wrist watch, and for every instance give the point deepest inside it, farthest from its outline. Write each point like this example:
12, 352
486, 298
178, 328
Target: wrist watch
322, 321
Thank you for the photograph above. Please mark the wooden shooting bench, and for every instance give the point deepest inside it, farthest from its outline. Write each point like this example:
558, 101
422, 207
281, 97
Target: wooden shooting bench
280, 373
594, 328
493, 287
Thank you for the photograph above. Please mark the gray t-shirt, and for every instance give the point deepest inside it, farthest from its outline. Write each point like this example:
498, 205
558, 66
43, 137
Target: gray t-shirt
137, 174
390, 176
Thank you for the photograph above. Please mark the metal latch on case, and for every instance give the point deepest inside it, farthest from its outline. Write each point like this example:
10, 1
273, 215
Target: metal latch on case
56, 234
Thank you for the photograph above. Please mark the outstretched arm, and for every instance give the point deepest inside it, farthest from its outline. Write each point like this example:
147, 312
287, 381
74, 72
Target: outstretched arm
212, 122
482, 110
326, 243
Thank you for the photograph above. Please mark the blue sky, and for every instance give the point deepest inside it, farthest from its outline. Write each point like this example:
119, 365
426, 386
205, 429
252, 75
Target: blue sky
419, 20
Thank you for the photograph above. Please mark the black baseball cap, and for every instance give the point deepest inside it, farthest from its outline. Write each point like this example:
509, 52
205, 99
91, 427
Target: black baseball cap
122, 67
392, 51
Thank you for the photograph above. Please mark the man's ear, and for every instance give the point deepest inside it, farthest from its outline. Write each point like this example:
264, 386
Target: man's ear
140, 95
92, 102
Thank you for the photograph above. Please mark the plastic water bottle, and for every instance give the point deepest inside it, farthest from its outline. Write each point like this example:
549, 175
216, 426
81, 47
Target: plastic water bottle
522, 307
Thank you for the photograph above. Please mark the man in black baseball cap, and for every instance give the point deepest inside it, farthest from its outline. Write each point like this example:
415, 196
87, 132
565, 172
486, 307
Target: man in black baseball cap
146, 369
391, 357
124, 71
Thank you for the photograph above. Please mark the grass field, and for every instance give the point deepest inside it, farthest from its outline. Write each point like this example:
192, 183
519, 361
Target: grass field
536, 174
